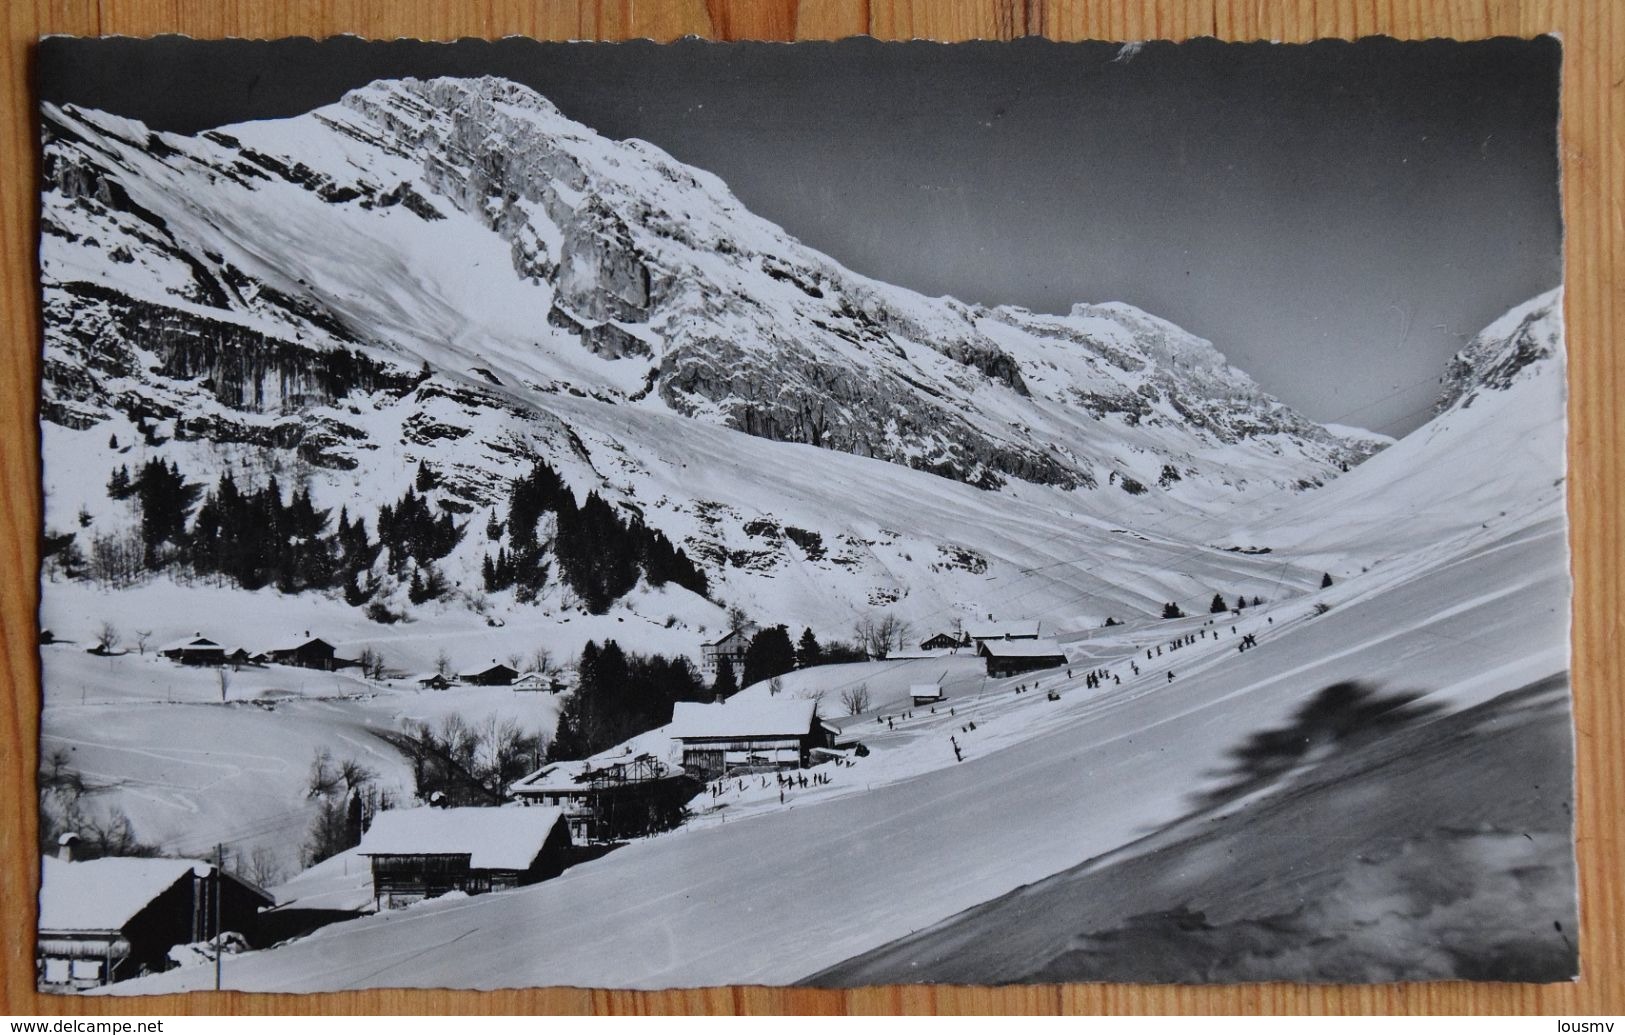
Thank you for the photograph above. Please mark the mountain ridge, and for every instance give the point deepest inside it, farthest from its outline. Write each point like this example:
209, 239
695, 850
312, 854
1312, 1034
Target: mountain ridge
484, 282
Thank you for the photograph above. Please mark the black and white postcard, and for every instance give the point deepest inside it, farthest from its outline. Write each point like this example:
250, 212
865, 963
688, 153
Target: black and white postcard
656, 516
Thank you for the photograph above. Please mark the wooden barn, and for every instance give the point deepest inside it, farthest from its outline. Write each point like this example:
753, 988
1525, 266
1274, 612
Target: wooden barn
495, 675
304, 651
432, 681
611, 800
426, 852
194, 650
111, 919
1013, 657
926, 693
748, 736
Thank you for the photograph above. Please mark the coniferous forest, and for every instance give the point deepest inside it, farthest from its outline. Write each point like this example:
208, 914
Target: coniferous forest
599, 554
266, 536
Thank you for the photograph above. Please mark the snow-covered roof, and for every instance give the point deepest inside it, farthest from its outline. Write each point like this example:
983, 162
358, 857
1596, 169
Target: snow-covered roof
745, 631
493, 838
554, 776
773, 716
475, 673
193, 642
105, 894
1023, 649
575, 775
925, 690
294, 643
1026, 629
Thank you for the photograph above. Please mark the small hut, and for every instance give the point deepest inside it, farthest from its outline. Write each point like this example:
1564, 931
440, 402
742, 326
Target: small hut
426, 852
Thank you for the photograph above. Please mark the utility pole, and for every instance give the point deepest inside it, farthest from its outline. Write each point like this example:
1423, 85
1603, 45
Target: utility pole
219, 873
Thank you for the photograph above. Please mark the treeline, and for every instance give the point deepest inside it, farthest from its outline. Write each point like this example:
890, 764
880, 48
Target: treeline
599, 554
265, 537
619, 695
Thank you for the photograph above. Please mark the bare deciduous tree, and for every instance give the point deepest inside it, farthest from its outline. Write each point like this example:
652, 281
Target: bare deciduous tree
142, 638
262, 867
442, 665
855, 699
879, 636
372, 663
107, 638
118, 559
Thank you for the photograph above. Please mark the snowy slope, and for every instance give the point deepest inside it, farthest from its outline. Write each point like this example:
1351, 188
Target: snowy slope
708, 905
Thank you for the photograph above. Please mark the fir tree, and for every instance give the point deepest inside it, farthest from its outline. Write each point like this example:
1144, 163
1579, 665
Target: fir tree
769, 654
727, 683
1218, 606
164, 497
808, 652
1326, 580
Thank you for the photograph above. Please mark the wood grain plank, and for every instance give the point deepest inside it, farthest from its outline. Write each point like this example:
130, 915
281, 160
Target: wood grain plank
1594, 171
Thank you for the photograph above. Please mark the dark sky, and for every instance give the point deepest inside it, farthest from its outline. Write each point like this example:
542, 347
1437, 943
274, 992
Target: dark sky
1338, 218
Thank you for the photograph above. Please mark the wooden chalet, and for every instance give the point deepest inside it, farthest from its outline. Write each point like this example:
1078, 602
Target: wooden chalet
426, 852
194, 650
1013, 657
110, 919
304, 651
981, 632
432, 681
728, 650
748, 736
926, 693
611, 799
537, 682
945, 641
496, 675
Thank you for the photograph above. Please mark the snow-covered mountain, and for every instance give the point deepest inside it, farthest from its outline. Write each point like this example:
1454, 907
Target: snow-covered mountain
452, 273
1494, 448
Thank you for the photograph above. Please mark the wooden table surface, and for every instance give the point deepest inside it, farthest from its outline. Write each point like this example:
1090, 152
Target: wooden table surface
1593, 165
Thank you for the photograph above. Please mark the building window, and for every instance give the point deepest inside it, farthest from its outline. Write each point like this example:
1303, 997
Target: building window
87, 970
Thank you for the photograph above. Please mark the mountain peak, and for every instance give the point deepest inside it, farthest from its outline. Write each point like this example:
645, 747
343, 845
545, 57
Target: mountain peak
1500, 354
448, 91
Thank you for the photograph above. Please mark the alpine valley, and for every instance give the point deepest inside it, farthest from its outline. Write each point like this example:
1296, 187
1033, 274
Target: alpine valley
484, 381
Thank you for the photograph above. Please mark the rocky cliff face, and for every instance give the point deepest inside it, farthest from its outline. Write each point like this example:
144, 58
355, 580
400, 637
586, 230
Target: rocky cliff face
1494, 358
736, 322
